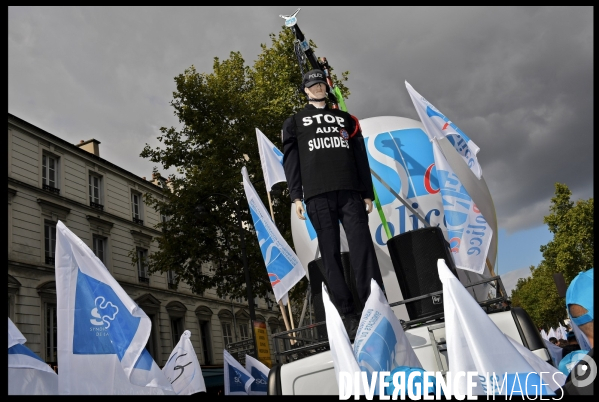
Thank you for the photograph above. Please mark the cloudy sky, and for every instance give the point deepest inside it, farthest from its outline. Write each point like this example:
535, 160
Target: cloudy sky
517, 80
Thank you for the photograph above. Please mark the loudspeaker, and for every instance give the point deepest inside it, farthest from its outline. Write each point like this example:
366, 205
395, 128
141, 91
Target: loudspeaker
414, 256
317, 277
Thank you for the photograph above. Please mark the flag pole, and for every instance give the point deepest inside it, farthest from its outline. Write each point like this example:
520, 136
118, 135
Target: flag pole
285, 319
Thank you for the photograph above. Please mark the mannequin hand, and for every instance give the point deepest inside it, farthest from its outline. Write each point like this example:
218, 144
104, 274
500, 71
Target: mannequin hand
299, 210
368, 203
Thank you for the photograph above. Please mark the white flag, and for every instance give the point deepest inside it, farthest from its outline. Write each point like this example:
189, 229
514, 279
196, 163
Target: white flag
182, 368
282, 264
551, 375
562, 332
439, 126
28, 374
237, 380
259, 371
544, 334
344, 362
272, 161
468, 232
102, 332
554, 351
474, 343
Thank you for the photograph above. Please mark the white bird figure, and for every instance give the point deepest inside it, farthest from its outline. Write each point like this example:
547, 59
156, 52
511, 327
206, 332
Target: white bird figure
290, 20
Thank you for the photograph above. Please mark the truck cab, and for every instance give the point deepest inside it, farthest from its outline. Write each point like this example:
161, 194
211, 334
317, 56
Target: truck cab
304, 364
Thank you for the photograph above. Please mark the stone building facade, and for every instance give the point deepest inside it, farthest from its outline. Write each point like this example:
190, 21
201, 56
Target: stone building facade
50, 179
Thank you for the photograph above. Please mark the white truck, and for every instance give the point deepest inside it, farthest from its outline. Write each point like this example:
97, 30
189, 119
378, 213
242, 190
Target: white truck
304, 365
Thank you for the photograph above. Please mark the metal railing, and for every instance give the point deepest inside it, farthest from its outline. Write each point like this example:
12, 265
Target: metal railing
138, 221
312, 339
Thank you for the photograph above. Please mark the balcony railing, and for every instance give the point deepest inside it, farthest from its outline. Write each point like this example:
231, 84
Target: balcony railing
144, 279
49, 260
172, 286
96, 205
138, 221
51, 189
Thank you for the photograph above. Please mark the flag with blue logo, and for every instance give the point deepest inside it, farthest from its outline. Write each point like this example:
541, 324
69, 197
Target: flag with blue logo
437, 125
28, 374
259, 371
182, 369
475, 343
468, 232
102, 332
283, 266
238, 380
381, 343
272, 161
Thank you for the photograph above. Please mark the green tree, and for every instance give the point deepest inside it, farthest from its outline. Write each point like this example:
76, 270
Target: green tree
570, 252
219, 113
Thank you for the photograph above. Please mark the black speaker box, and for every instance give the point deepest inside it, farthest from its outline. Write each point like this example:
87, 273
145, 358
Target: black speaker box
414, 256
317, 277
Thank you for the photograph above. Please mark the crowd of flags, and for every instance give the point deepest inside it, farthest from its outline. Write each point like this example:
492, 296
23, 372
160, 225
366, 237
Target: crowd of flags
102, 335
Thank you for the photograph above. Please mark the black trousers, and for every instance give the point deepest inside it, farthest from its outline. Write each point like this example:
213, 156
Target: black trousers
325, 211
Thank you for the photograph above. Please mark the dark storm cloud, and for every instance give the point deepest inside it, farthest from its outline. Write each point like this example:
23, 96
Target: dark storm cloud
517, 80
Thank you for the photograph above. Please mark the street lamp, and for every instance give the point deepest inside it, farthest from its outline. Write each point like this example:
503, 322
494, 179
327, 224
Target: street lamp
248, 284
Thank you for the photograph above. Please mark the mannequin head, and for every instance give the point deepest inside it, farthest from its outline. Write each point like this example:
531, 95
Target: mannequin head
315, 87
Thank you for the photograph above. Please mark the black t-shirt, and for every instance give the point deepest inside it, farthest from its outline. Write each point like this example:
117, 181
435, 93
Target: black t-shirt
324, 151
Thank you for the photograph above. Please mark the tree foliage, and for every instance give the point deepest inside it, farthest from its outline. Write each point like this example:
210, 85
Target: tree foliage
218, 114
570, 252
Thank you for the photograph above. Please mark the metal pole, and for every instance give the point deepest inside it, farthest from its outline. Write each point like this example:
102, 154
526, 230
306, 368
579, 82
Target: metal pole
248, 283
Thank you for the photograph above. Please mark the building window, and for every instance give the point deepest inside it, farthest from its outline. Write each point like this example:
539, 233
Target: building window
227, 334
205, 339
171, 278
99, 248
51, 334
136, 205
49, 242
142, 267
243, 331
177, 330
95, 191
50, 173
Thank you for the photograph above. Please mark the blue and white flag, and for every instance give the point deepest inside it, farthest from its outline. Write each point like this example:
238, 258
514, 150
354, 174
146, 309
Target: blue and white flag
237, 379
476, 344
28, 374
272, 161
259, 371
282, 264
437, 125
182, 368
468, 232
102, 332
381, 343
